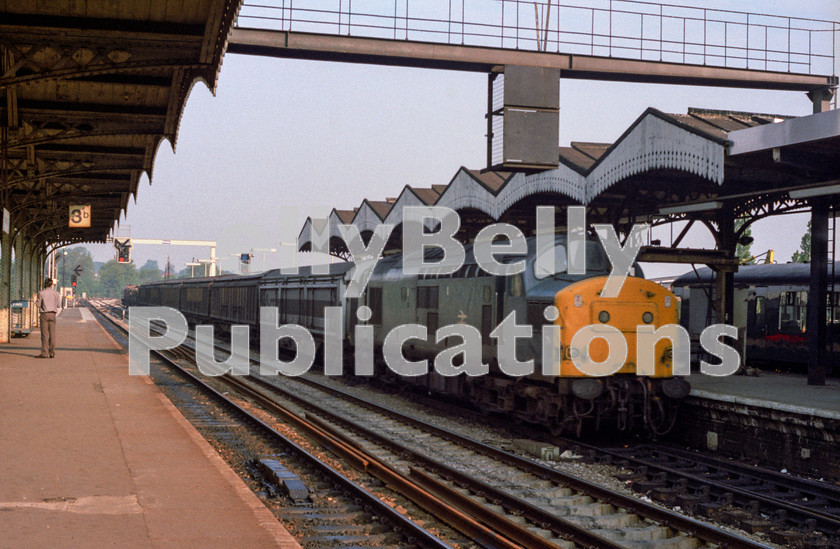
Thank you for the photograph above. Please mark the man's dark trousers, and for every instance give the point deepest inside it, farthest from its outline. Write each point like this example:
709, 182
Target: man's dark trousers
47, 334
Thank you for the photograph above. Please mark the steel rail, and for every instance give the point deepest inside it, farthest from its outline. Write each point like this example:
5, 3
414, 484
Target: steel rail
437, 498
825, 522
798, 483
671, 519
561, 527
409, 527
444, 502
453, 506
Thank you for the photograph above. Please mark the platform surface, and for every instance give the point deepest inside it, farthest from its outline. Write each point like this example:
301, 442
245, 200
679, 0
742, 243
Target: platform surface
783, 392
93, 457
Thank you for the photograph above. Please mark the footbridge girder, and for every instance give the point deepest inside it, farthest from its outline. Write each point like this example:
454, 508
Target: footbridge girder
432, 55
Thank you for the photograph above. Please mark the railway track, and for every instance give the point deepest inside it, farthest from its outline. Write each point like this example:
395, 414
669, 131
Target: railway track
563, 506
534, 505
795, 511
325, 507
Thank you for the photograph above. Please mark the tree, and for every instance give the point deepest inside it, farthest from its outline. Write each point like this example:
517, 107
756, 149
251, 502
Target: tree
803, 254
78, 256
149, 272
742, 251
114, 276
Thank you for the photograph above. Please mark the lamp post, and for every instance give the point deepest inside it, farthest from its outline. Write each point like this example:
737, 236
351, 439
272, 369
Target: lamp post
263, 250
63, 276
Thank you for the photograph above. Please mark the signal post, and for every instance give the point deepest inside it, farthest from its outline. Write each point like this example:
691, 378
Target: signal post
125, 245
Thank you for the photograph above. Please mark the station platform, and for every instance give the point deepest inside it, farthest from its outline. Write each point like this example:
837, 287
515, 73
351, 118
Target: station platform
781, 392
777, 420
93, 457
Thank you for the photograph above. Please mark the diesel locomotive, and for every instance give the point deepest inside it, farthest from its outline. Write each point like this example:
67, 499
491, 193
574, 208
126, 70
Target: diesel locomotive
560, 395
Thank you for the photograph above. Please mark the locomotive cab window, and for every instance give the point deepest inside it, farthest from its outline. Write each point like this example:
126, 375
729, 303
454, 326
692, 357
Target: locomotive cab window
550, 262
596, 261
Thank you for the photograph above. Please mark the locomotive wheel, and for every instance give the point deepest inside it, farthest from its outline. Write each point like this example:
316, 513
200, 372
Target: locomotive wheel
556, 429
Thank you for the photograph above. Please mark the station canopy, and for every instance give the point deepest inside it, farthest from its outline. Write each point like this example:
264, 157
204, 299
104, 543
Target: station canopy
89, 90
663, 168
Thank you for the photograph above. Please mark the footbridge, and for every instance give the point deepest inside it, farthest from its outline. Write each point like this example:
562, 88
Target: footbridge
633, 41
525, 47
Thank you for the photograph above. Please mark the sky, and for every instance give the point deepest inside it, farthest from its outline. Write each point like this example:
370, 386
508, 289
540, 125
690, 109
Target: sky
286, 139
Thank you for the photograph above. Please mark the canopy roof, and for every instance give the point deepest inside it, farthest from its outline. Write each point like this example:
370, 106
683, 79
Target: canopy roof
663, 167
89, 91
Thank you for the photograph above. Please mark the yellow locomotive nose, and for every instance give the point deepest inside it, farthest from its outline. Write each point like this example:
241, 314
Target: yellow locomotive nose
613, 358
602, 332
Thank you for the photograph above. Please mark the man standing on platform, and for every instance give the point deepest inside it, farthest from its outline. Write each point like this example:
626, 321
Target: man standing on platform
48, 304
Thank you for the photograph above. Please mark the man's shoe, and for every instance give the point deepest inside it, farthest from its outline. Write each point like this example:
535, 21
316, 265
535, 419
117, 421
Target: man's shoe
41, 356
52, 356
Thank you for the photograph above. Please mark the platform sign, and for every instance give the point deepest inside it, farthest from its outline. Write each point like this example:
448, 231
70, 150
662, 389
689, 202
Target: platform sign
7, 221
79, 216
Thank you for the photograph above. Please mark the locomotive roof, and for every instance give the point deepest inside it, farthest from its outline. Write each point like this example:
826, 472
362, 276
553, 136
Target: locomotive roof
765, 274
392, 264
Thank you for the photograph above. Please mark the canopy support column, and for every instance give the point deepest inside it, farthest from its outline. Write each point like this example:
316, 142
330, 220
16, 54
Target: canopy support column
5, 286
725, 279
815, 328
821, 98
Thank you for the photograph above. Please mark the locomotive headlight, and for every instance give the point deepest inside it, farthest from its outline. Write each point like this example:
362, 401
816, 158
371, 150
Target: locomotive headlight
675, 387
603, 317
647, 317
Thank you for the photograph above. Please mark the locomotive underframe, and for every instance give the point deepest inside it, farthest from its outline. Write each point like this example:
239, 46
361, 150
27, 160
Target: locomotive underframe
624, 401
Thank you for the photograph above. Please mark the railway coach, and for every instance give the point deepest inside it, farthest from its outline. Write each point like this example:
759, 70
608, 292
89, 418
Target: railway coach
770, 310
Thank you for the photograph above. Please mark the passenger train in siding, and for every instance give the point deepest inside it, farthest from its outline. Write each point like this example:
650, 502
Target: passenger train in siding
770, 309
565, 401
